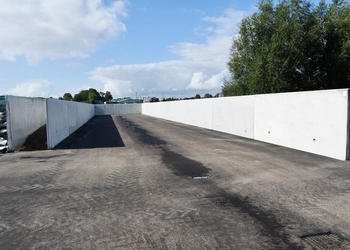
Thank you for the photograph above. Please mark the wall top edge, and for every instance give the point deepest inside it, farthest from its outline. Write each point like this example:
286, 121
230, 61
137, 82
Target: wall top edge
121, 104
25, 97
63, 101
291, 93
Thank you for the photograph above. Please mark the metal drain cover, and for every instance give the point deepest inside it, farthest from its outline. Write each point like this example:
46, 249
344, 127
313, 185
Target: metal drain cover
327, 241
201, 177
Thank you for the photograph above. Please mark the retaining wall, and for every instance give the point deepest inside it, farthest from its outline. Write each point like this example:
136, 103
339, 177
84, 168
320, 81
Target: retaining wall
64, 117
234, 115
117, 109
313, 121
192, 112
24, 116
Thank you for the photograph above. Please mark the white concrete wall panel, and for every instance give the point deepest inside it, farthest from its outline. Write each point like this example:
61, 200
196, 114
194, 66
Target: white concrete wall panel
64, 117
234, 115
314, 121
200, 113
73, 117
118, 109
25, 115
173, 111
109, 109
153, 109
57, 126
100, 109
127, 109
178, 111
192, 112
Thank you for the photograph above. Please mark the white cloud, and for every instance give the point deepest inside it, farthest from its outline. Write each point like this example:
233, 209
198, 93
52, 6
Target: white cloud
202, 65
57, 29
198, 81
34, 88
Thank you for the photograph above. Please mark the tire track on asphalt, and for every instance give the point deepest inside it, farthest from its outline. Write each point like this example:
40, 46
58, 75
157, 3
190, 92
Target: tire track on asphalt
128, 211
185, 167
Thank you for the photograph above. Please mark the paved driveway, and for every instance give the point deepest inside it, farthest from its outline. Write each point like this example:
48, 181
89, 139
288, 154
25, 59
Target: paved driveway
127, 183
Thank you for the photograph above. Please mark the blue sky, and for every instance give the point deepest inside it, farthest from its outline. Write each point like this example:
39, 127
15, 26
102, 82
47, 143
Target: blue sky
152, 48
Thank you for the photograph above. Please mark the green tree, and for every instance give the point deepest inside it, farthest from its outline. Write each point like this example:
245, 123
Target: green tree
94, 95
169, 99
108, 96
154, 99
293, 46
207, 95
91, 96
197, 96
67, 97
336, 60
82, 96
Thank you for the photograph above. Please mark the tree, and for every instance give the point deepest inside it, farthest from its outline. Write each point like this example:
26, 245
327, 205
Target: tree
337, 50
293, 46
154, 99
108, 96
82, 96
207, 95
92, 96
67, 97
197, 96
169, 99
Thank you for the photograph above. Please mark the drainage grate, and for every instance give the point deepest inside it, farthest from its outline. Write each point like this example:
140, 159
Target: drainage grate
201, 177
327, 241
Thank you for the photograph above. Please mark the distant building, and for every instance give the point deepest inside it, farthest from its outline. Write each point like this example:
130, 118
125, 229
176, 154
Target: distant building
146, 99
125, 100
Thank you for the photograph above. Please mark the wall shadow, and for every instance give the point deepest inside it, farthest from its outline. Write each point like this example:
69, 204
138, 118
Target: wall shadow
98, 132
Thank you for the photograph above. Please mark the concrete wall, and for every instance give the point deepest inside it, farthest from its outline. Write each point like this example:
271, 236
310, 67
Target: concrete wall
24, 116
193, 112
234, 115
64, 117
313, 121
117, 109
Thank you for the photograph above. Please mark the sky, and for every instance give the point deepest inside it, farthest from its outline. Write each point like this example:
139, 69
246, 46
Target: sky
128, 47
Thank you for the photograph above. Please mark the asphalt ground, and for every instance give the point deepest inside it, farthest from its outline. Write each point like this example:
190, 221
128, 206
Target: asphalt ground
127, 183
